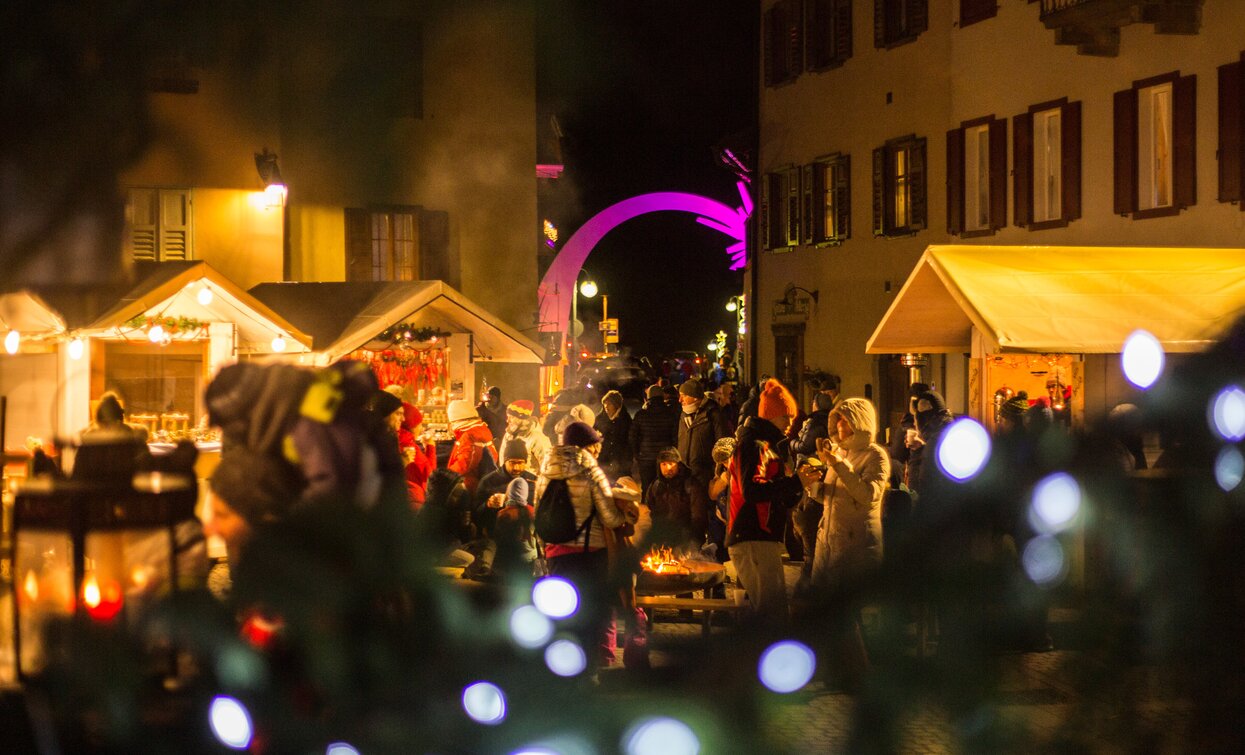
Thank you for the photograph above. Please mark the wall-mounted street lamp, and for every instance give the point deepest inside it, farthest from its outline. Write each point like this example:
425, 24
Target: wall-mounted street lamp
588, 288
275, 190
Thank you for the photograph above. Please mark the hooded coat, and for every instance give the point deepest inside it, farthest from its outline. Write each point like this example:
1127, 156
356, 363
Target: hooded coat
616, 456
471, 441
589, 491
421, 458
652, 429
849, 539
930, 424
679, 500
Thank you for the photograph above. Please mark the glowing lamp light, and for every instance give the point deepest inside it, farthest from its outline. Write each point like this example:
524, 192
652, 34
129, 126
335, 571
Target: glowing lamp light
76, 348
1044, 561
732, 305
231, 723
156, 334
963, 449
30, 586
588, 288
274, 195
1229, 468
565, 658
102, 600
555, 597
278, 344
1056, 502
204, 296
711, 346
786, 666
1226, 414
529, 628
1142, 359
660, 736
485, 703
12, 341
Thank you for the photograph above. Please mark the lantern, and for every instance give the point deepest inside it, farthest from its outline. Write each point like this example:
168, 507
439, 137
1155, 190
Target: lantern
98, 549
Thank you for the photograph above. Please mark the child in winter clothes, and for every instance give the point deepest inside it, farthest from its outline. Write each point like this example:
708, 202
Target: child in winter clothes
516, 542
420, 457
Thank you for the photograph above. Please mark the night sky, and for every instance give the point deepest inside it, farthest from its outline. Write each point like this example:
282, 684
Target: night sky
644, 90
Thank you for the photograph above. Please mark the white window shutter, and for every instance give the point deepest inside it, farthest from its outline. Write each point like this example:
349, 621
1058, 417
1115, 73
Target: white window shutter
175, 224
142, 211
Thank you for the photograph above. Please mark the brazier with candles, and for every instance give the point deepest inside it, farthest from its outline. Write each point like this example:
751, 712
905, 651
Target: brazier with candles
92, 549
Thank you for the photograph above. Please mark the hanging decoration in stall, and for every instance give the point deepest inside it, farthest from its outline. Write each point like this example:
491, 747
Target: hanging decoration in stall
422, 370
405, 335
162, 330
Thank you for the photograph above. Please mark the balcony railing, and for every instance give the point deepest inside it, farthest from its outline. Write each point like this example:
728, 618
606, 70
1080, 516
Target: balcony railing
1094, 25
1054, 6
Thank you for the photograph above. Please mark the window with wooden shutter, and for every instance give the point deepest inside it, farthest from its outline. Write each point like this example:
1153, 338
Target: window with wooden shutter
159, 225
828, 33
383, 245
807, 213
972, 11
783, 45
1156, 146
773, 210
1046, 165
900, 204
791, 182
1231, 131
897, 22
832, 205
977, 177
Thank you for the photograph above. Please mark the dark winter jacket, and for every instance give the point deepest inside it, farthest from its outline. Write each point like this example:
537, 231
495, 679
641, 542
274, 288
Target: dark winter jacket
816, 426
496, 482
749, 407
652, 429
615, 457
494, 417
446, 513
930, 424
697, 434
760, 492
679, 501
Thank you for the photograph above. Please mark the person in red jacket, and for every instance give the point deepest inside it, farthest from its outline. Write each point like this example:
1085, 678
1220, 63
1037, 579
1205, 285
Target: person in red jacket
472, 440
419, 456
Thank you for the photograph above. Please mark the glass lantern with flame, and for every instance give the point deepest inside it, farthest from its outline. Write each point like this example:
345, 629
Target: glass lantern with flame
92, 549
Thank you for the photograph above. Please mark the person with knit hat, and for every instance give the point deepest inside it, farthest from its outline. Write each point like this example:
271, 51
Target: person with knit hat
419, 456
521, 425
472, 442
1012, 414
584, 561
652, 429
762, 490
577, 413
675, 499
490, 493
562, 403
849, 539
700, 424
516, 541
932, 418
614, 425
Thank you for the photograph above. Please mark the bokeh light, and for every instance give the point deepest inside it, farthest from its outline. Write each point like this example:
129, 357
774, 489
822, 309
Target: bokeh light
341, 748
1229, 468
485, 703
559, 744
230, 722
1056, 502
555, 597
1044, 561
529, 627
963, 449
1227, 413
786, 666
12, 341
1142, 359
565, 658
660, 736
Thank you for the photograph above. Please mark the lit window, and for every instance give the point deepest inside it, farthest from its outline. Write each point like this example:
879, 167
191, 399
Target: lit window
1047, 161
977, 177
1154, 142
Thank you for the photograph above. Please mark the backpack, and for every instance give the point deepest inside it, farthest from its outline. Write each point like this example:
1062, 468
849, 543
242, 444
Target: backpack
555, 515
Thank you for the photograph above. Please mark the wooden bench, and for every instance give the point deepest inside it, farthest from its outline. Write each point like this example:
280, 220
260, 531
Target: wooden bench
707, 607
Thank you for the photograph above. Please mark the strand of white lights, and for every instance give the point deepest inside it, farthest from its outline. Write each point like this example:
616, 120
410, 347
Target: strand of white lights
278, 343
12, 341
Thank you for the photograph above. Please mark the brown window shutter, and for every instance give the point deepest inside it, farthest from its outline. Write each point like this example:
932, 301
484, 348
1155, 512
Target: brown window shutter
818, 206
955, 181
1022, 169
143, 210
843, 198
1230, 131
358, 245
795, 37
777, 211
920, 203
1070, 160
791, 182
1125, 144
879, 23
435, 260
918, 16
817, 34
972, 11
806, 174
764, 216
842, 30
998, 173
174, 225
879, 191
1184, 141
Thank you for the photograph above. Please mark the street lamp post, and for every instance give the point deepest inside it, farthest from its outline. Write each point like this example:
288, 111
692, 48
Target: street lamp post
589, 289
738, 305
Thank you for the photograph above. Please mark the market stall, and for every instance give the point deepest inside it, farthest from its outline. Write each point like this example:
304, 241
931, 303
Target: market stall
1052, 320
422, 336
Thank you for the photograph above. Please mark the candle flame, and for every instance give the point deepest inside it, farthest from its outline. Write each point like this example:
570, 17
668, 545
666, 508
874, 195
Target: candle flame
90, 592
31, 586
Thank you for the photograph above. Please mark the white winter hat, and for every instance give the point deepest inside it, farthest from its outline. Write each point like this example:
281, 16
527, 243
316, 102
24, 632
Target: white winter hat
460, 409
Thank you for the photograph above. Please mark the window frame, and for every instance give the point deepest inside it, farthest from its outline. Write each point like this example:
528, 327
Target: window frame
994, 162
357, 237
782, 40
1128, 147
1024, 165
886, 186
832, 194
827, 45
915, 15
163, 236
781, 192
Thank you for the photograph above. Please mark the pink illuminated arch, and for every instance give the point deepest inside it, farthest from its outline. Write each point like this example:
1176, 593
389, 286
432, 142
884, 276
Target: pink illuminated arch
558, 283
